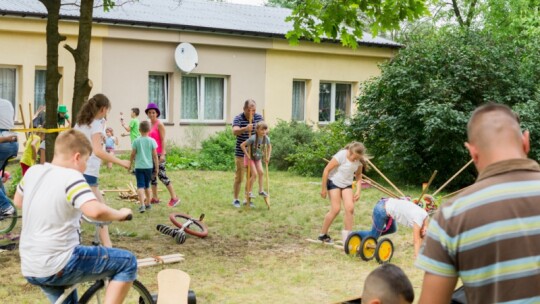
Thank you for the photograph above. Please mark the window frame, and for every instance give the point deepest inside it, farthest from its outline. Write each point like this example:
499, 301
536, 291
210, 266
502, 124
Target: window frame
201, 101
35, 75
303, 100
163, 116
16, 90
348, 104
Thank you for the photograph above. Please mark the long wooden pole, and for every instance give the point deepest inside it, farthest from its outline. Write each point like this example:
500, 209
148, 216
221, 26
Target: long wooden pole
427, 186
454, 193
379, 186
248, 182
385, 178
451, 178
267, 199
23, 120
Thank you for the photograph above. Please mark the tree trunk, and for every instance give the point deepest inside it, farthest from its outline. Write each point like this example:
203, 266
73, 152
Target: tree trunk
53, 38
81, 55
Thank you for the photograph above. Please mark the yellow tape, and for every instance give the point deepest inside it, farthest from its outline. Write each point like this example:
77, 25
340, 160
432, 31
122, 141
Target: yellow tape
42, 130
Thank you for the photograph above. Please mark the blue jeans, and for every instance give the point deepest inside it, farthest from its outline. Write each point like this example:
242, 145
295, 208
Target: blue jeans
7, 150
380, 219
88, 263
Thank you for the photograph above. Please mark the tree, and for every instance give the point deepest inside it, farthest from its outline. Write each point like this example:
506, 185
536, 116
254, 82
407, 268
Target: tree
413, 117
313, 19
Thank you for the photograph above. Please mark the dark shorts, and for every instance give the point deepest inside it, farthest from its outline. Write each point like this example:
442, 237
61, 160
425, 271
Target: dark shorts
91, 180
330, 186
144, 176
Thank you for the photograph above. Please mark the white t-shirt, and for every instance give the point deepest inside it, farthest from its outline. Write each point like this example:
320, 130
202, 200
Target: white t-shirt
343, 175
405, 213
94, 162
7, 114
52, 197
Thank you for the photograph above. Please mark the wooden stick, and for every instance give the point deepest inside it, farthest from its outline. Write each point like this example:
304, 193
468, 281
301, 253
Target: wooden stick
427, 186
451, 178
30, 123
454, 193
379, 186
248, 182
23, 120
385, 178
267, 199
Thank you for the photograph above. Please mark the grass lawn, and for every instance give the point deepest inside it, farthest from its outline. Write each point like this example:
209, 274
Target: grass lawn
249, 256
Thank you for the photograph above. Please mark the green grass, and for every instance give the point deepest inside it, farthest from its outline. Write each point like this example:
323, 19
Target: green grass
250, 256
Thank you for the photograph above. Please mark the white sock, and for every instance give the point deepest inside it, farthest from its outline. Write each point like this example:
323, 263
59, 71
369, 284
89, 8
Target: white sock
345, 234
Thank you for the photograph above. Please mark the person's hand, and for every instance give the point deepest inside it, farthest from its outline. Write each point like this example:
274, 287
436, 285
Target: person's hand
249, 128
155, 173
125, 212
323, 193
356, 196
124, 134
125, 163
162, 158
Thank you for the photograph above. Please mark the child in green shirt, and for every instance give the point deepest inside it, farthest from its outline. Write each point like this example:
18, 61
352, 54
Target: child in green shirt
63, 117
133, 127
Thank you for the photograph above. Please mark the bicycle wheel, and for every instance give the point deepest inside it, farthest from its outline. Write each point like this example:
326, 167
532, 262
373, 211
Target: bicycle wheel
8, 222
137, 294
197, 228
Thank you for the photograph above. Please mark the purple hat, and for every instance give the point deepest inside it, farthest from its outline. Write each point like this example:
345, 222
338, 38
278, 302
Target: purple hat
152, 106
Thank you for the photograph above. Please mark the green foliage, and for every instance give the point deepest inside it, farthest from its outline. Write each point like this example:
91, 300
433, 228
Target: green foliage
413, 117
309, 159
218, 151
181, 158
334, 19
16, 177
286, 138
282, 3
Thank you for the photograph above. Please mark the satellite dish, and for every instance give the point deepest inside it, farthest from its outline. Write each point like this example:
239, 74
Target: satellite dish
186, 57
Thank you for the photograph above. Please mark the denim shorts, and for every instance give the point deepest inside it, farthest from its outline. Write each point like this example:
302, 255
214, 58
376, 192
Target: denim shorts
91, 180
144, 176
88, 263
330, 186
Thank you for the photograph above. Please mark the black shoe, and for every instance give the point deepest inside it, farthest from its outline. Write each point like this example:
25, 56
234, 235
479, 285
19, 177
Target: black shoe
325, 238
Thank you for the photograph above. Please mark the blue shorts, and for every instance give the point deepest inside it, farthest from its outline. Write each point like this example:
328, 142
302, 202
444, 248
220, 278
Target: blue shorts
88, 263
91, 180
330, 186
144, 176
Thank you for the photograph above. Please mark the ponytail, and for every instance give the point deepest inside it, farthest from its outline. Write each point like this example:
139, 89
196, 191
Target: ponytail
359, 149
91, 107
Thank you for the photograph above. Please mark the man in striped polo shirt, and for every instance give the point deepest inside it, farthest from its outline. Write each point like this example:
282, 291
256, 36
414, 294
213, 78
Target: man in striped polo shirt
242, 129
489, 235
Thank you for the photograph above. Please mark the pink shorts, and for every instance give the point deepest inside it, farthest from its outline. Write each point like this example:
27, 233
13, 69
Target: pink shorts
254, 162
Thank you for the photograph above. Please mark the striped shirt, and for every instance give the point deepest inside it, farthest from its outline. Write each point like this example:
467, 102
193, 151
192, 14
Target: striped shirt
489, 236
242, 121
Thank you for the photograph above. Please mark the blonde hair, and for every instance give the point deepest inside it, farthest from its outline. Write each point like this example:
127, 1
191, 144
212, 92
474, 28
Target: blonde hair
358, 148
71, 142
261, 125
91, 107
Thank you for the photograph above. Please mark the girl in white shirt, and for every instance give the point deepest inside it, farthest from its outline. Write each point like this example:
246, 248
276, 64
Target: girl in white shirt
337, 180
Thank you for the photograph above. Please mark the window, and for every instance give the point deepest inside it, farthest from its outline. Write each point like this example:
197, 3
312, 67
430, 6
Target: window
203, 98
158, 92
39, 89
8, 84
298, 100
334, 101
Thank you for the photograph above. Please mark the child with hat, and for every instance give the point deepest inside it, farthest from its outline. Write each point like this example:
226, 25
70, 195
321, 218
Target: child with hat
63, 117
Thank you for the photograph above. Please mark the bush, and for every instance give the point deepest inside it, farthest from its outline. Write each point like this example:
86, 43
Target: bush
181, 158
286, 138
217, 152
309, 158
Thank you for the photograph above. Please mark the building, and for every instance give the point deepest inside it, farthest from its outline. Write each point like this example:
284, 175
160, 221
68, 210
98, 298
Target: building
242, 53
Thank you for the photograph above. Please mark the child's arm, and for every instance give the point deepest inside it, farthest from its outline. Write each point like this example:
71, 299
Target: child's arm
268, 152
358, 176
132, 158
116, 141
102, 212
18, 199
68, 123
329, 167
42, 156
35, 148
97, 148
243, 147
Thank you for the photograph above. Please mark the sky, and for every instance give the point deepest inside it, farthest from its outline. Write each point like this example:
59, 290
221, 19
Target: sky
251, 2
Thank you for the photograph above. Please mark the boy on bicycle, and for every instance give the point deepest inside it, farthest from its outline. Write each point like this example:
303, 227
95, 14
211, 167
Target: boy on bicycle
53, 198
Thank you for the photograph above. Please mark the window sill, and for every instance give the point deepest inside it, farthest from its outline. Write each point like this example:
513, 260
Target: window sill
168, 123
203, 123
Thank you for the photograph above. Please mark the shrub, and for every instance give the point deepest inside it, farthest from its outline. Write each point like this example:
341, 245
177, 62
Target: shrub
217, 152
286, 137
181, 158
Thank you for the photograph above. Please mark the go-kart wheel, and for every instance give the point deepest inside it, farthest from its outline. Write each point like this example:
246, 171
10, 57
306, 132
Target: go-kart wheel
180, 237
352, 244
384, 251
367, 248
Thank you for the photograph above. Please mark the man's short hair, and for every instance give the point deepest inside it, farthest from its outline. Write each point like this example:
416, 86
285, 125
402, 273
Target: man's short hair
490, 108
144, 127
388, 283
249, 102
71, 142
136, 111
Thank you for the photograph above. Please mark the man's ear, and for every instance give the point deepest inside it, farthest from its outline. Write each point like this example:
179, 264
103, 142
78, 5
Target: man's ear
472, 151
526, 142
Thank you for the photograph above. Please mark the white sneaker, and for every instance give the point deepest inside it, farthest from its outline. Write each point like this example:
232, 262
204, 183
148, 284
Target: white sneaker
8, 211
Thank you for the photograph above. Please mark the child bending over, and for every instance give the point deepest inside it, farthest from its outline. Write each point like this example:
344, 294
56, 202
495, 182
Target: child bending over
53, 197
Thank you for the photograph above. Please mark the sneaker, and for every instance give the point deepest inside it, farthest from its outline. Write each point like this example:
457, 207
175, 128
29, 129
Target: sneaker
148, 207
154, 201
263, 194
251, 195
173, 202
142, 209
250, 204
236, 203
325, 238
8, 211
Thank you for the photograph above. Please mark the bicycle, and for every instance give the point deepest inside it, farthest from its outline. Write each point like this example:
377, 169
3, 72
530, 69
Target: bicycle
8, 222
138, 293
185, 224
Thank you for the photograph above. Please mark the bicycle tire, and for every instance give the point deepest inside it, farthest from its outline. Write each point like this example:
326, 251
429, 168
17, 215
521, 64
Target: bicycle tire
8, 222
137, 293
178, 219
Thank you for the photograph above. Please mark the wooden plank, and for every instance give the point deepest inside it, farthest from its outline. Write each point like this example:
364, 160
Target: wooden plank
336, 244
173, 287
